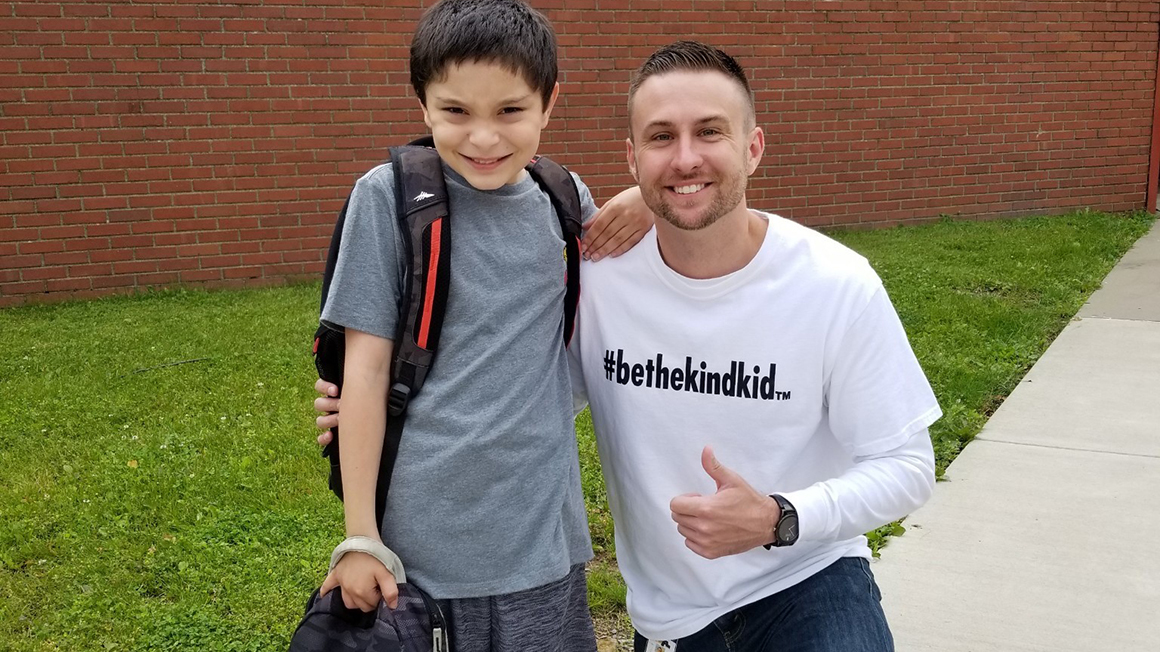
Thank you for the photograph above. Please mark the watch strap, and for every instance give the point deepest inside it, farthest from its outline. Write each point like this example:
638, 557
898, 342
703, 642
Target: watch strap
786, 507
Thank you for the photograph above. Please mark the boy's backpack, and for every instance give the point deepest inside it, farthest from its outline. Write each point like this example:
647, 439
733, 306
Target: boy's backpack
422, 209
416, 625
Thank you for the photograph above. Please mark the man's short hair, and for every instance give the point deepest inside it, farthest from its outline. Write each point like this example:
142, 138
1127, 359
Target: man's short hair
505, 32
695, 57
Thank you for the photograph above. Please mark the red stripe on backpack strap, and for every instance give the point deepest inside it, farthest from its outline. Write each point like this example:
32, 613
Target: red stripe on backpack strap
430, 281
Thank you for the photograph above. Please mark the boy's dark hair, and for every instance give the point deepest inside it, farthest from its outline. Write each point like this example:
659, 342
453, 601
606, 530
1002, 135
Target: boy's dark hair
690, 56
506, 32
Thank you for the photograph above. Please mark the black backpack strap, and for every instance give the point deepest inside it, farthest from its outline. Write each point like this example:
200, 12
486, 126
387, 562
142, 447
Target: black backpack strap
332, 254
422, 211
423, 216
561, 188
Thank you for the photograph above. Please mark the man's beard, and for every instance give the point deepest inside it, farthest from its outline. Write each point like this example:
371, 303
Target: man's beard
728, 197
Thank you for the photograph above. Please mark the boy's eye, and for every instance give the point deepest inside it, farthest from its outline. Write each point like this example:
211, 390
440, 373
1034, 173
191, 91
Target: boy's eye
454, 110
509, 110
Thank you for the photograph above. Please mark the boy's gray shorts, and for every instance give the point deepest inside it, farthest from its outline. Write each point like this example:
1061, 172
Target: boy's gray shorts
549, 618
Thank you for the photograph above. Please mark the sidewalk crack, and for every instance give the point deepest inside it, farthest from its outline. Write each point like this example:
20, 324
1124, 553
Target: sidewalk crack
1070, 448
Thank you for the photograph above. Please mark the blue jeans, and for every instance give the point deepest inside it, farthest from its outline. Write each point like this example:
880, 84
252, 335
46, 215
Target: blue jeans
836, 610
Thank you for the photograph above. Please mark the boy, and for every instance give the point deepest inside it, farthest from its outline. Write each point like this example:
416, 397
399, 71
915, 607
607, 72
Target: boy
485, 508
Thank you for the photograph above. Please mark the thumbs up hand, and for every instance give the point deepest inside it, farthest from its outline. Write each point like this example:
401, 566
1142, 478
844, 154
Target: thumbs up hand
734, 519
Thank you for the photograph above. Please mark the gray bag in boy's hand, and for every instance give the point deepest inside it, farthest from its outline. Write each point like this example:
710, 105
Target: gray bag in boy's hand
416, 625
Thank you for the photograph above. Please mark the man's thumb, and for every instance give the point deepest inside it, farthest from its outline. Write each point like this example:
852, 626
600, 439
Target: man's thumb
720, 473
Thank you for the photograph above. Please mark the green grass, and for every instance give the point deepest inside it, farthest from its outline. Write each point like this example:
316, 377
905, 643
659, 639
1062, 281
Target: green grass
981, 301
184, 507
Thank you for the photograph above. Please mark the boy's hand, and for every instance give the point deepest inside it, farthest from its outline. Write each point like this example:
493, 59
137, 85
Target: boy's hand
328, 404
617, 226
364, 581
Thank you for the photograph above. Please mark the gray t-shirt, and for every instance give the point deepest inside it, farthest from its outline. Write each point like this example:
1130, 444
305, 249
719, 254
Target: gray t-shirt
486, 495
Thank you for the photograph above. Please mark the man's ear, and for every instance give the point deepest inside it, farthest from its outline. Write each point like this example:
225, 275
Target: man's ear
755, 149
551, 104
631, 159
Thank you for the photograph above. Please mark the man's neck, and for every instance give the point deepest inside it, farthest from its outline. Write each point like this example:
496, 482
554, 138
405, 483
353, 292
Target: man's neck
717, 250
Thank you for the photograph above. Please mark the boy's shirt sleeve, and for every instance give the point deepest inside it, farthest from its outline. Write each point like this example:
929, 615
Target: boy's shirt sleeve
587, 204
579, 390
365, 293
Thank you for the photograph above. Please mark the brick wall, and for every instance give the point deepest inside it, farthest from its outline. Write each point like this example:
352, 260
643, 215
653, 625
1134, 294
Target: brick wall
153, 142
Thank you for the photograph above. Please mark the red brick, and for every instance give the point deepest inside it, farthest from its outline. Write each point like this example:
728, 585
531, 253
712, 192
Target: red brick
40, 246
113, 281
174, 238
135, 267
242, 272
67, 258
175, 264
160, 278
22, 233
20, 261
68, 284
201, 275
84, 244
24, 287
110, 255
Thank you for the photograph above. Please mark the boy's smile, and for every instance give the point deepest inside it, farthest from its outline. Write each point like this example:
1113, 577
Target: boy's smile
486, 122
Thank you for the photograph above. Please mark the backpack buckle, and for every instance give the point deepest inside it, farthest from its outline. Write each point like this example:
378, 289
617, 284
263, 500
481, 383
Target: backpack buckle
397, 399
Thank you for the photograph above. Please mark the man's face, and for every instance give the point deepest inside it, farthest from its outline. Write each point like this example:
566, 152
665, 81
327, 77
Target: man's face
486, 122
692, 147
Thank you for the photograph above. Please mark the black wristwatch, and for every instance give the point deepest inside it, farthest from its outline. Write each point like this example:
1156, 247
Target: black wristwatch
785, 533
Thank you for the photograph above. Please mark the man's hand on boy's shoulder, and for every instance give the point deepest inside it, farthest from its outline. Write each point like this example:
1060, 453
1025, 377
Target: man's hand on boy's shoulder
617, 226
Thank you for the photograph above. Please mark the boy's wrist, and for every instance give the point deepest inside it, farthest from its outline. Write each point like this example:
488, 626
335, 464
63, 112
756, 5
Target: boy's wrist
374, 547
370, 532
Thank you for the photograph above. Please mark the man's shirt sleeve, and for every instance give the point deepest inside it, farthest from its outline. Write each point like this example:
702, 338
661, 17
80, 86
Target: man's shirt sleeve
880, 407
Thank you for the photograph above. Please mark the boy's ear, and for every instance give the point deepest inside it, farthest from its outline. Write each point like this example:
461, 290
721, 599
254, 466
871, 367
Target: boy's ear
551, 104
426, 115
631, 159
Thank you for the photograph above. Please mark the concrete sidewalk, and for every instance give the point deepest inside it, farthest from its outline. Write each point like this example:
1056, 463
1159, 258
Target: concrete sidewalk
1046, 534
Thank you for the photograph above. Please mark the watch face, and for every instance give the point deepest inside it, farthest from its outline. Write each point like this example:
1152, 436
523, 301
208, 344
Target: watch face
787, 529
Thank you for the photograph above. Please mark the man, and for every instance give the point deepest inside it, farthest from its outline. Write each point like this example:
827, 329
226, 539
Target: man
756, 403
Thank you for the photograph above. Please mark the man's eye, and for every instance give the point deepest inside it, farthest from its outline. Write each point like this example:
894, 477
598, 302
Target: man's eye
661, 137
710, 132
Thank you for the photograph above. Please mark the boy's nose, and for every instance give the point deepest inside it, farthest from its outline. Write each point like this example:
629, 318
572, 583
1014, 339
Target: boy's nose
483, 137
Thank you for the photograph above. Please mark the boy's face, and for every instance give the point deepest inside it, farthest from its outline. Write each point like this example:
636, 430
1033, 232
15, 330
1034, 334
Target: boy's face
486, 122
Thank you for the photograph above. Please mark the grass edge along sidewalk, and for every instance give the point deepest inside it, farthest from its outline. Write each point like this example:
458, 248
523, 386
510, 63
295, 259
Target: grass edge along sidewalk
146, 505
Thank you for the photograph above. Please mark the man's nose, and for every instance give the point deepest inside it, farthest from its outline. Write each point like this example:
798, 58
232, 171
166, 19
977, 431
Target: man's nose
687, 156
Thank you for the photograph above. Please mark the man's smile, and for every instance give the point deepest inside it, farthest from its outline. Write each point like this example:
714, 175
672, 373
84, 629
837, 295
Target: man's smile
689, 189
